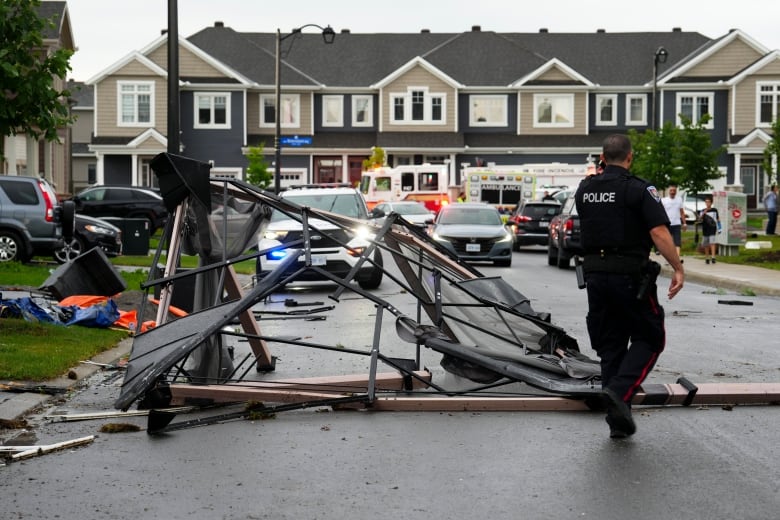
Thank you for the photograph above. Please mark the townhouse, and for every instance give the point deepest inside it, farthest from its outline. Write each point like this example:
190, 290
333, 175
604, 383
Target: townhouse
461, 99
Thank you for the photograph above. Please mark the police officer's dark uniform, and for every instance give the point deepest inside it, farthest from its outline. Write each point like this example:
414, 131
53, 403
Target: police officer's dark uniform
617, 211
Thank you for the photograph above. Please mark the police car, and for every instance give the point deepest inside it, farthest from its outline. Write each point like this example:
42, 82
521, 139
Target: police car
327, 251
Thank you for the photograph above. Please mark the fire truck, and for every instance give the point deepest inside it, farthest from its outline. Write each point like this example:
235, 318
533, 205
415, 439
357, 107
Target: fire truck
505, 186
426, 183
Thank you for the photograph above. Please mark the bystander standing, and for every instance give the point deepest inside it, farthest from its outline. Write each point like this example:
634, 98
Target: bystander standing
770, 205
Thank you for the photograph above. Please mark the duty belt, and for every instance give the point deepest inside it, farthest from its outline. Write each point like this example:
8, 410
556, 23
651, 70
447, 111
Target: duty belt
614, 263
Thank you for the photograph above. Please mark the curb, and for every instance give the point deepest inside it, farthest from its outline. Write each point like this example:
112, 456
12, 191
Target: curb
14, 406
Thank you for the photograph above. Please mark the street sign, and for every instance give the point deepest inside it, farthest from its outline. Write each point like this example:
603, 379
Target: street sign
295, 141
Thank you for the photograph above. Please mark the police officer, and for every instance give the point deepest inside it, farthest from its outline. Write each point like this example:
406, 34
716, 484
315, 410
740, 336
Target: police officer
621, 218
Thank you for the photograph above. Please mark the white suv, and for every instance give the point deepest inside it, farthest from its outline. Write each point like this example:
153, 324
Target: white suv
326, 251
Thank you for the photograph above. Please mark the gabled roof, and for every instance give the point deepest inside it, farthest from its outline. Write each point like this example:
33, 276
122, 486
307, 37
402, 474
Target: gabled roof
82, 95
708, 51
62, 31
755, 67
416, 62
474, 59
554, 63
133, 56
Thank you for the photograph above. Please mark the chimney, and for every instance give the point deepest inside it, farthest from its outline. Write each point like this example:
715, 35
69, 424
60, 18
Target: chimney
219, 24
425, 31
476, 28
600, 31
345, 31
543, 30
676, 29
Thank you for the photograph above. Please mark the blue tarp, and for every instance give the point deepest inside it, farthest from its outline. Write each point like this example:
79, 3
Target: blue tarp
100, 315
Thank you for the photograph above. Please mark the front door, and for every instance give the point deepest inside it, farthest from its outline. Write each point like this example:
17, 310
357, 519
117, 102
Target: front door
748, 176
327, 170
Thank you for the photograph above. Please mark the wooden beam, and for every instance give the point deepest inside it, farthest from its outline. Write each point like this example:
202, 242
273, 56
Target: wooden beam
284, 390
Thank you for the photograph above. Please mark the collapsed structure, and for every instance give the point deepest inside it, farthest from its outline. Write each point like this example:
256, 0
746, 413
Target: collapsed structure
489, 336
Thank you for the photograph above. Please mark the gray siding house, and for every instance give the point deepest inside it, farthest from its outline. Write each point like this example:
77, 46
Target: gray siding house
461, 99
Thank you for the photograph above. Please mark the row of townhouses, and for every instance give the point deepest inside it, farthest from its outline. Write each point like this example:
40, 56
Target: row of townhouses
463, 99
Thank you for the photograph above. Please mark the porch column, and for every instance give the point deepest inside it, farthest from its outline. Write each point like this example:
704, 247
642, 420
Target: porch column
737, 168
9, 147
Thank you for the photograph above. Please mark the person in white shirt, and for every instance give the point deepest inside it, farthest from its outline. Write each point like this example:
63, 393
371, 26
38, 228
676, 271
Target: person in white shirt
676, 213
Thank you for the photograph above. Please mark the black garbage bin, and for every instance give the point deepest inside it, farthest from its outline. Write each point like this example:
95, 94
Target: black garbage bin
135, 235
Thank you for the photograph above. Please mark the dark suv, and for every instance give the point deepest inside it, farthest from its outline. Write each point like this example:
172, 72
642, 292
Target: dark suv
530, 222
30, 218
123, 202
565, 241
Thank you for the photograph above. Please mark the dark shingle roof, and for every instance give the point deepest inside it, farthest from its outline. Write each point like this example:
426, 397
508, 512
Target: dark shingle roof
474, 58
83, 95
52, 11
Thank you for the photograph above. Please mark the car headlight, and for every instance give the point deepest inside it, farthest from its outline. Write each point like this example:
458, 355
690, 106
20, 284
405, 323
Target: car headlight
507, 237
275, 235
363, 232
437, 237
98, 230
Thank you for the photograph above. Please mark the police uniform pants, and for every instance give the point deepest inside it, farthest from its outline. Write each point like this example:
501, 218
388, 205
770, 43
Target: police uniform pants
627, 334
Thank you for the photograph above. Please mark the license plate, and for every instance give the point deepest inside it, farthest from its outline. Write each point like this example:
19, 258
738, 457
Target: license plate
472, 248
544, 224
319, 260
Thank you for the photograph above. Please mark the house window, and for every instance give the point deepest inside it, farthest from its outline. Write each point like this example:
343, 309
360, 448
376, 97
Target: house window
553, 110
290, 109
636, 111
418, 106
136, 103
362, 111
694, 106
488, 110
606, 109
332, 110
212, 110
768, 103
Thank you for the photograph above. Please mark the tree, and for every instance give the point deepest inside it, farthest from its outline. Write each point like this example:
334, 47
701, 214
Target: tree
771, 153
695, 158
257, 172
654, 155
378, 158
31, 104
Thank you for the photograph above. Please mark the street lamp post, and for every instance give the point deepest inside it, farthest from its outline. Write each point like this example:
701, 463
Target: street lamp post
661, 55
328, 35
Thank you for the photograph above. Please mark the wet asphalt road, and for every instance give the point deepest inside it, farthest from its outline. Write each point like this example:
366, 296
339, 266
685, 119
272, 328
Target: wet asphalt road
692, 463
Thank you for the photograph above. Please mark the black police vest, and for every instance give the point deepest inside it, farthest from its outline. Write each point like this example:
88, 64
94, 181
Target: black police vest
611, 222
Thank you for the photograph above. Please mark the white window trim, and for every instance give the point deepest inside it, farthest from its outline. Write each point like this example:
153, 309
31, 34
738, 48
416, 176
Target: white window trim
369, 111
296, 112
197, 95
538, 98
474, 98
119, 93
427, 107
629, 98
226, 172
776, 93
710, 97
340, 110
603, 122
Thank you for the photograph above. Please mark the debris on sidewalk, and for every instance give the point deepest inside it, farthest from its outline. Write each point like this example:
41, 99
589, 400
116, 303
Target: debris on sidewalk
27, 452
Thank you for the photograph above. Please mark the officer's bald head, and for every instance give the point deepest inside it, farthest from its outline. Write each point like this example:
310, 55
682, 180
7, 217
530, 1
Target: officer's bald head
616, 149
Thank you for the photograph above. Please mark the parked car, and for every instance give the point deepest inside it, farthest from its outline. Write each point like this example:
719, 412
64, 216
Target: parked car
327, 251
473, 231
30, 218
123, 202
90, 232
564, 235
530, 222
413, 212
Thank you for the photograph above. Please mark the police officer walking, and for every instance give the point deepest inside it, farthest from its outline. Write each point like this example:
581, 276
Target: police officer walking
621, 218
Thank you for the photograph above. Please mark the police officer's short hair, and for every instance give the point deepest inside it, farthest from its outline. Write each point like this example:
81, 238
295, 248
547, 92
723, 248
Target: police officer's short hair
616, 148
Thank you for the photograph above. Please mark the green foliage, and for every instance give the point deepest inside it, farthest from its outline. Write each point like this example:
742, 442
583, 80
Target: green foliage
31, 103
376, 159
677, 155
257, 172
771, 153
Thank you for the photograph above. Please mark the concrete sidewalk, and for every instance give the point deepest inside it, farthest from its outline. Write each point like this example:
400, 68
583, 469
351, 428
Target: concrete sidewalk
737, 278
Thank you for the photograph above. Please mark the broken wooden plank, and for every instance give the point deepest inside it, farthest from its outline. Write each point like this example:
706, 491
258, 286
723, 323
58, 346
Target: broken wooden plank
48, 448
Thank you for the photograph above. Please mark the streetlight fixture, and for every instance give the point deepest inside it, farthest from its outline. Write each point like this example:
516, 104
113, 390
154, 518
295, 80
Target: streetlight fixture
661, 54
328, 35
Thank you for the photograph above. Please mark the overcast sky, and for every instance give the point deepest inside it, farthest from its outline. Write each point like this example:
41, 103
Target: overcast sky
107, 30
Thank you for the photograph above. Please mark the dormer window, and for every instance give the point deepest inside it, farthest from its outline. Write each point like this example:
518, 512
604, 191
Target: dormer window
418, 106
135, 104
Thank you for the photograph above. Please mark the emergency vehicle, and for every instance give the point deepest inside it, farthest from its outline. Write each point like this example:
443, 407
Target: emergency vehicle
426, 183
505, 186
